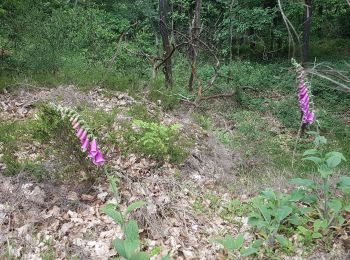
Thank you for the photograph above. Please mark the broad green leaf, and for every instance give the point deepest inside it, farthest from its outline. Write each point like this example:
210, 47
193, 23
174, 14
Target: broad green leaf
258, 243
333, 162
119, 246
135, 205
346, 191
347, 208
303, 182
282, 240
319, 140
283, 212
238, 242
263, 210
112, 213
141, 256
305, 210
335, 205
311, 152
296, 195
296, 220
313, 159
325, 171
344, 181
310, 199
316, 235
256, 221
131, 246
167, 257
248, 251
227, 242
303, 230
269, 194
319, 224
341, 220
132, 230
335, 154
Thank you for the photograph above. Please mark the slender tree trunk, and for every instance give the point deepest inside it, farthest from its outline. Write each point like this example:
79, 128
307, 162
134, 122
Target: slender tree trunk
307, 29
195, 29
167, 69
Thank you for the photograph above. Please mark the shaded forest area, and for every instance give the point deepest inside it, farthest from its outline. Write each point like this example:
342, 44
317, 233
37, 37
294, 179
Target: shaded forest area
174, 129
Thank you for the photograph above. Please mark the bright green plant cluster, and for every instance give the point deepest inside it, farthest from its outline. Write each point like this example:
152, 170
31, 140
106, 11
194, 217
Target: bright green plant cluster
311, 211
160, 141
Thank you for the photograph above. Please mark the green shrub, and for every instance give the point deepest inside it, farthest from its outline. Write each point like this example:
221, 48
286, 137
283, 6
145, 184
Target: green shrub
160, 141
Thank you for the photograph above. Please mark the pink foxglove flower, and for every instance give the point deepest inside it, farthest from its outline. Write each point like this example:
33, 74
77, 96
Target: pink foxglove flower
304, 101
76, 126
85, 145
93, 149
98, 159
83, 136
80, 132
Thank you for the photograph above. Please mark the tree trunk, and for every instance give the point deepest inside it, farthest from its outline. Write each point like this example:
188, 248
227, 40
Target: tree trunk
164, 32
307, 29
195, 29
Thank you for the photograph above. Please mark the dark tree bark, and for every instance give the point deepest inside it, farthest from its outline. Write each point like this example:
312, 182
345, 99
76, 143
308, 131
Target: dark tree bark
195, 29
307, 29
164, 32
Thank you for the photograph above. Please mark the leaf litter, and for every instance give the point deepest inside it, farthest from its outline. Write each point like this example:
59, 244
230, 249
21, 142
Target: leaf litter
63, 220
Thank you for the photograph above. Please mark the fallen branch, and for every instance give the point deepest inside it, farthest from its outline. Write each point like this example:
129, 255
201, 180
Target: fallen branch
216, 96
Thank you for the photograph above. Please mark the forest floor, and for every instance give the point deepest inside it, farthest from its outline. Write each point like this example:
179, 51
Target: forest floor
188, 206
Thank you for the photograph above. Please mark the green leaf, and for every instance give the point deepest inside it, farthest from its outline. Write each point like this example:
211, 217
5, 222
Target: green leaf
335, 154
112, 213
282, 240
231, 244
135, 205
269, 194
343, 182
335, 205
325, 171
296, 195
296, 220
316, 235
303, 230
347, 208
311, 152
313, 159
119, 246
319, 224
303, 182
263, 210
227, 242
132, 230
283, 212
248, 251
305, 210
141, 256
333, 162
258, 243
167, 257
131, 246
256, 221
238, 242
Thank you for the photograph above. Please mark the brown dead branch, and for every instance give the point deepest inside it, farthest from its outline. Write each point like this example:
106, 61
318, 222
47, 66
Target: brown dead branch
225, 95
117, 47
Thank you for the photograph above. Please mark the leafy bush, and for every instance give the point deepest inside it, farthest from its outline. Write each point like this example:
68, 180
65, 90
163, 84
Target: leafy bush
53, 130
160, 141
